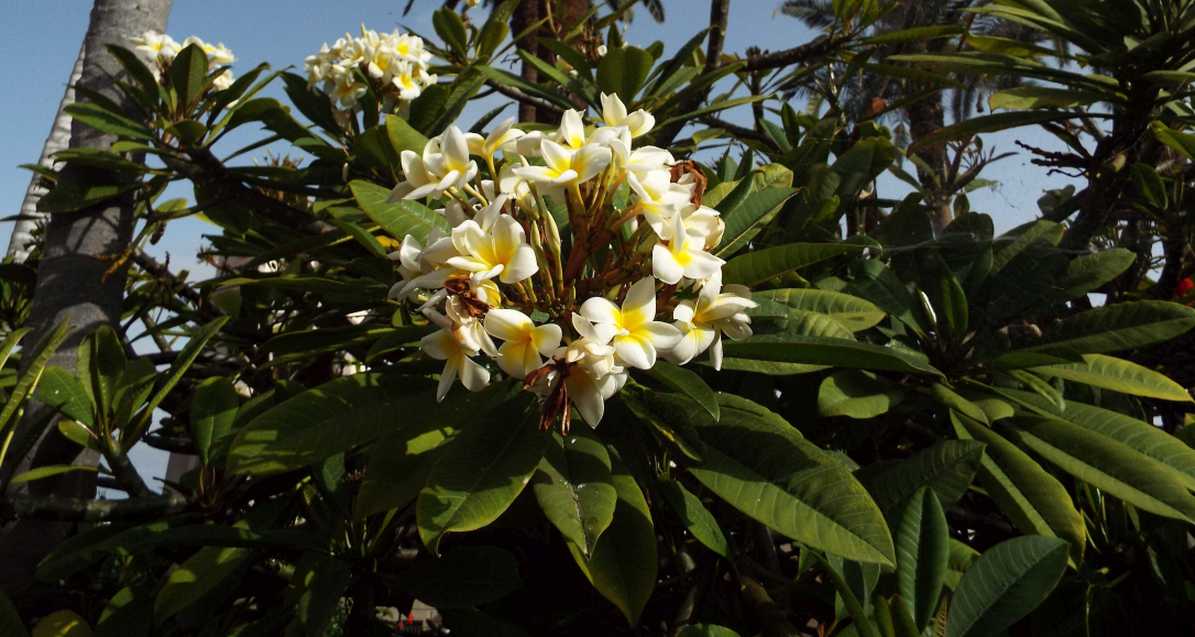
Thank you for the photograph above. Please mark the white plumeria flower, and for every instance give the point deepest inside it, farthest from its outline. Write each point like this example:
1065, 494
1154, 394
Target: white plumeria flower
564, 166
648, 159
705, 222
498, 250
660, 200
572, 129
449, 159
525, 342
505, 138
683, 256
592, 377
445, 344
637, 335
614, 113
703, 320
154, 45
217, 54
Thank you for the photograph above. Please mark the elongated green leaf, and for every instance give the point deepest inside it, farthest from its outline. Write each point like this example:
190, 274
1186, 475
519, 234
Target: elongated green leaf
828, 351
989, 124
1033, 499
1137, 434
479, 474
29, 380
758, 266
706, 630
1107, 464
50, 471
339, 415
696, 518
188, 74
10, 619
316, 588
213, 411
106, 121
762, 466
195, 344
203, 572
1113, 328
391, 485
61, 390
398, 218
402, 136
856, 394
745, 221
1119, 375
922, 553
622, 71
578, 496
947, 467
1005, 584
855, 313
686, 382
1032, 97
623, 567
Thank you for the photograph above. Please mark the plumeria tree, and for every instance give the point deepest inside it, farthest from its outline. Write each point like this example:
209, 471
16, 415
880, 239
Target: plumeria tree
625, 367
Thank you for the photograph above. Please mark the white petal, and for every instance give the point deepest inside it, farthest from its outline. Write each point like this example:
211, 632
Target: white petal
521, 266
664, 266
586, 397
508, 325
546, 338
639, 306
448, 376
600, 310
635, 352
473, 376
716, 352
662, 335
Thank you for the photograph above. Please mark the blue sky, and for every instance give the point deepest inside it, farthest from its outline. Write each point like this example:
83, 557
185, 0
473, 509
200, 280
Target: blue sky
41, 37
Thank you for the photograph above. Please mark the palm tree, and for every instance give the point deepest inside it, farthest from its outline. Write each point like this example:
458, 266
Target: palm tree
925, 103
73, 285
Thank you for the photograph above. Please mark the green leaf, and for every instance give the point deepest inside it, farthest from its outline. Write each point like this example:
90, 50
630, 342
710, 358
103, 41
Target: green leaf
315, 590
577, 497
62, 391
1107, 464
195, 344
988, 124
1007, 582
828, 351
1032, 97
1034, 500
33, 372
855, 313
463, 577
398, 218
1139, 435
622, 71
10, 619
947, 467
451, 29
1183, 143
1113, 328
694, 516
207, 570
623, 567
106, 121
479, 474
922, 553
402, 136
762, 466
1118, 375
758, 266
188, 74
745, 221
856, 394
392, 485
339, 415
706, 630
213, 411
49, 471
686, 382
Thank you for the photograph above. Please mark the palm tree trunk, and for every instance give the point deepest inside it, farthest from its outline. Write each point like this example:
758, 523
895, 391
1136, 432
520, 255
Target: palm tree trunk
20, 243
72, 286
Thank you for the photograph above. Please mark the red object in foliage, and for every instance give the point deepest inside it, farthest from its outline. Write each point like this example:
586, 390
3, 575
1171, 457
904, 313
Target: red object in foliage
1184, 288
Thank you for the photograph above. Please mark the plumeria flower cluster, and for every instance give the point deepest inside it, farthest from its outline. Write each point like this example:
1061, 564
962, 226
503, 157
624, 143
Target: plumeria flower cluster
159, 50
633, 280
397, 62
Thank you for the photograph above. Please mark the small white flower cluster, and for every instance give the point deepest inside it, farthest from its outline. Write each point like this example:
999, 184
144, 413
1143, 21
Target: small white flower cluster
159, 50
639, 234
398, 62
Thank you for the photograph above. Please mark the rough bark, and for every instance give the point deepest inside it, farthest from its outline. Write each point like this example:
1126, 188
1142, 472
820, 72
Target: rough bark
21, 240
72, 286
